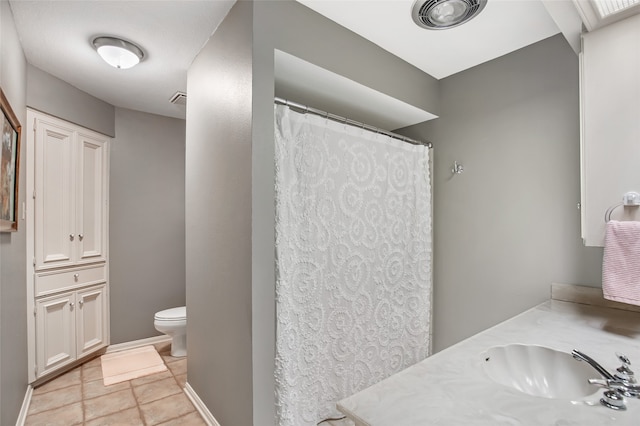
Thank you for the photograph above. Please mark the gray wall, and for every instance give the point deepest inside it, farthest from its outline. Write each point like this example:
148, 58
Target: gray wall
230, 199
293, 28
218, 218
13, 263
49, 94
507, 227
146, 216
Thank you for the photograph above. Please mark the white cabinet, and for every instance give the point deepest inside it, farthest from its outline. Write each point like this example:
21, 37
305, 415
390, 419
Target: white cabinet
70, 193
610, 128
55, 331
68, 326
67, 244
91, 316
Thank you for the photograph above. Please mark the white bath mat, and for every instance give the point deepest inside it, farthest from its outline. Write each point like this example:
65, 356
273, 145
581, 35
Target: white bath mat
130, 364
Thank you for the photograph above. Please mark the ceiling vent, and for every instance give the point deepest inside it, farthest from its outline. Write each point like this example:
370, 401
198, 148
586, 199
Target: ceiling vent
179, 98
443, 14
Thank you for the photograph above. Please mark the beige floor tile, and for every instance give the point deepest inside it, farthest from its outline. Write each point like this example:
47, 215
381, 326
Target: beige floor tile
163, 347
129, 417
166, 356
151, 378
97, 388
156, 390
68, 379
62, 401
178, 367
191, 419
59, 398
95, 362
166, 409
62, 416
90, 374
182, 380
108, 404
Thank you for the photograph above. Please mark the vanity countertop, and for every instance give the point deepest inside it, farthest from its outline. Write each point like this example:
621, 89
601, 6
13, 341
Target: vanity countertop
451, 388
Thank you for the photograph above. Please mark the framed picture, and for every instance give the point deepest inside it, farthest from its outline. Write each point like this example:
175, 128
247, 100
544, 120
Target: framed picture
9, 166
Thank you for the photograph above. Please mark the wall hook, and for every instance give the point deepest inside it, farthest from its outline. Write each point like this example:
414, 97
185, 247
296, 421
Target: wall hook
457, 168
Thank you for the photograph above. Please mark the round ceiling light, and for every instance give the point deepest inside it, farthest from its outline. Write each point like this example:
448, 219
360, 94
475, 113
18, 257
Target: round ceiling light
117, 52
443, 14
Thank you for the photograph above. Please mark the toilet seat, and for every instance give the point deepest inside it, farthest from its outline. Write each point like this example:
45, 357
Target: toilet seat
173, 314
173, 323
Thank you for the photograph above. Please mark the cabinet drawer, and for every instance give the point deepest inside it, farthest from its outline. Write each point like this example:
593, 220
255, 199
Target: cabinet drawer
51, 282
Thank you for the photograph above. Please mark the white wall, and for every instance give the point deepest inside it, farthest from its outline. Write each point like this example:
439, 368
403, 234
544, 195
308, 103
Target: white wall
146, 221
13, 291
509, 226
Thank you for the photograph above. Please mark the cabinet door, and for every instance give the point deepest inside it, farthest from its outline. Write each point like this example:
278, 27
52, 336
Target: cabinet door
55, 195
91, 319
91, 196
55, 332
610, 96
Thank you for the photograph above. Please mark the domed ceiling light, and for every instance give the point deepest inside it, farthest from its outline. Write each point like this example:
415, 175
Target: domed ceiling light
443, 14
117, 52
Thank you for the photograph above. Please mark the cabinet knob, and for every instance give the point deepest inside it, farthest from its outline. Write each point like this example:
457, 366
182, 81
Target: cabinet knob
81, 302
80, 236
71, 237
75, 277
71, 304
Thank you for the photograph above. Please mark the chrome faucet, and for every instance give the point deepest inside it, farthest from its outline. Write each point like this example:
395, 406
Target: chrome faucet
620, 384
600, 369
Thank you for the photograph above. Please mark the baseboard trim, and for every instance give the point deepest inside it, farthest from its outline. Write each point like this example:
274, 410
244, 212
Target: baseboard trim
138, 343
22, 417
202, 409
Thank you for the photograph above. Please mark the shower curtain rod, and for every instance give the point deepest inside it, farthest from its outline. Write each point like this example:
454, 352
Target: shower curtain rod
305, 109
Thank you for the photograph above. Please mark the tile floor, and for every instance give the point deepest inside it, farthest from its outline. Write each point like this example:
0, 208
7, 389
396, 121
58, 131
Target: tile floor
80, 398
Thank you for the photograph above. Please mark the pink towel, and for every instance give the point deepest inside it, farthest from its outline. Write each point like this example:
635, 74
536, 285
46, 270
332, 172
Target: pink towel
621, 262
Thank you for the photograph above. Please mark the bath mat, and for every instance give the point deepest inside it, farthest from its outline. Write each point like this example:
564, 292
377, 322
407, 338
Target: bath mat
130, 364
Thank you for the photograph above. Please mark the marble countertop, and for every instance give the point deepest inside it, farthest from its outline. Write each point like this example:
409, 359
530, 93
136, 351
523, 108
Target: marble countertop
451, 388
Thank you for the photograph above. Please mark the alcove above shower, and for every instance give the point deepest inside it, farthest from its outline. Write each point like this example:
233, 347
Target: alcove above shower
303, 82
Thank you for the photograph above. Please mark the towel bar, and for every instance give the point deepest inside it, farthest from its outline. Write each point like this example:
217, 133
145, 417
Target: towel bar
629, 199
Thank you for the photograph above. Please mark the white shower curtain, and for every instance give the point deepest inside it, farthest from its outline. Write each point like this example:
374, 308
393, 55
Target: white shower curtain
353, 255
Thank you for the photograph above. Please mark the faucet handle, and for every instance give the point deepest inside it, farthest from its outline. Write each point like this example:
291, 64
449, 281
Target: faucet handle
624, 372
623, 359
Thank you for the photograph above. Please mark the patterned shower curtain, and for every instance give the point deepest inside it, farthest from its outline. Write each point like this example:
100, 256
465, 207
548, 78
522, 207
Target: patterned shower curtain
353, 260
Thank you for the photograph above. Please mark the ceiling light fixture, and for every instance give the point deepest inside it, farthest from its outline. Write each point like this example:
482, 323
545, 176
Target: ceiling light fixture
117, 52
443, 14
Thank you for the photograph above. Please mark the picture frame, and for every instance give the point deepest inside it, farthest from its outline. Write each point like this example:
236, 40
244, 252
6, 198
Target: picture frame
9, 166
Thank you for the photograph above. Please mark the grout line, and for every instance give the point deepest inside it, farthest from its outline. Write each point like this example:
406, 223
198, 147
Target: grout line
83, 384
138, 405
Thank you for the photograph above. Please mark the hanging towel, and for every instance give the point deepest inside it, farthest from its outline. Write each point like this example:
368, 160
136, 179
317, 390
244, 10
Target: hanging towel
621, 262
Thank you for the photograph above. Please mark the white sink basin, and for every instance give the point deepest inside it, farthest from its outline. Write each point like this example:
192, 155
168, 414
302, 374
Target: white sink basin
540, 371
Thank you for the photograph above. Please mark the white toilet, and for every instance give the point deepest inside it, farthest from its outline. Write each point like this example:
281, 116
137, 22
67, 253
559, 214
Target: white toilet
173, 323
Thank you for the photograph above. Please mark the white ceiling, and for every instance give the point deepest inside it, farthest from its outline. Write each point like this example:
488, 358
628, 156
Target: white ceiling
502, 27
56, 36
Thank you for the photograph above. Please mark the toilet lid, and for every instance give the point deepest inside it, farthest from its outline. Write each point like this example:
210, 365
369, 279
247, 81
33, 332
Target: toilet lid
173, 314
